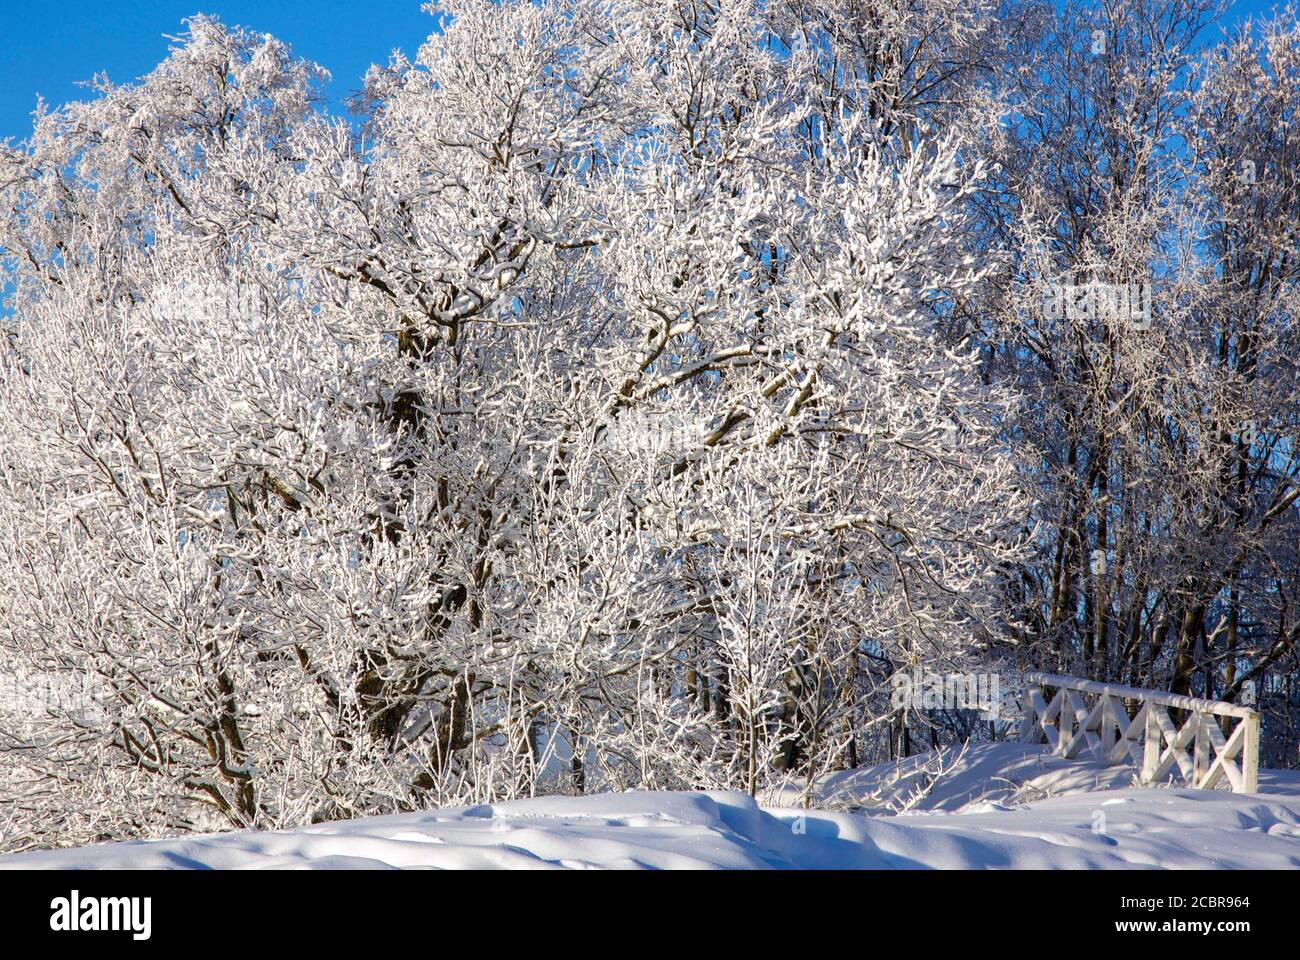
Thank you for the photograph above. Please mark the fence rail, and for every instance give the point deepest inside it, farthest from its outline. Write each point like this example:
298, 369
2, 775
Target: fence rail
1091, 716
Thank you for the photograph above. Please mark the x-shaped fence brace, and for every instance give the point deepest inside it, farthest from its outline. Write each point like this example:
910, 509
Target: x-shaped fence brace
1088, 716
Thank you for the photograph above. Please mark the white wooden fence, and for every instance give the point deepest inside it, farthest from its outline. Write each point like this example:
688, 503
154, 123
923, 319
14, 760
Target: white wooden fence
1085, 715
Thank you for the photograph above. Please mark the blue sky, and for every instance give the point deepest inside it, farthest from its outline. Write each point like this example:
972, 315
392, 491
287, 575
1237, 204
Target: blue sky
47, 46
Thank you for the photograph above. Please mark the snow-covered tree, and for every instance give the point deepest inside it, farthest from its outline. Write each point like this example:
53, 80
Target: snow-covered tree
1166, 436
594, 416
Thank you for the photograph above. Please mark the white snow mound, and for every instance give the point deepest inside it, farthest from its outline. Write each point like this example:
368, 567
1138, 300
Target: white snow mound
998, 806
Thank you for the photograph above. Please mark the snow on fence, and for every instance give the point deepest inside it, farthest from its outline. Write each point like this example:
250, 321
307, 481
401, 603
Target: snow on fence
1085, 715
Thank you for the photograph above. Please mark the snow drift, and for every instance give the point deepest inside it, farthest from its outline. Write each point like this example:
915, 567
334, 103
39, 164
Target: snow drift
997, 806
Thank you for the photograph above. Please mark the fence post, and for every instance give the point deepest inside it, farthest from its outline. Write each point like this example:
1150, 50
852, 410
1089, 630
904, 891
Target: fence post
1151, 745
1028, 715
1250, 755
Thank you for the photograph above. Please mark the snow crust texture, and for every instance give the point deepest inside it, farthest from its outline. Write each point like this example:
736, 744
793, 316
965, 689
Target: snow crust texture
998, 807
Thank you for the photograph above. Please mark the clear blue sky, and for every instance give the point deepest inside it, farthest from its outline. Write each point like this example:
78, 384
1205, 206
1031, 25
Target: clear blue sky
47, 46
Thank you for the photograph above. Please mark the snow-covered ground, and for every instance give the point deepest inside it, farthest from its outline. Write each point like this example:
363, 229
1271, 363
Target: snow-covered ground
998, 806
